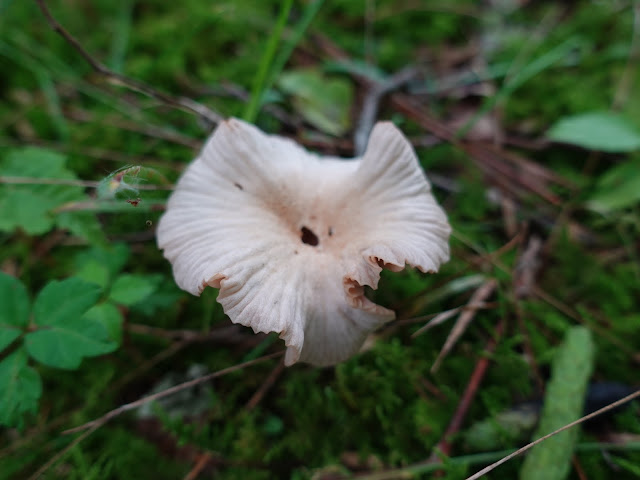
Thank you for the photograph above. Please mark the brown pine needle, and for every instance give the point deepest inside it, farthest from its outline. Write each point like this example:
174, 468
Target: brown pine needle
465, 318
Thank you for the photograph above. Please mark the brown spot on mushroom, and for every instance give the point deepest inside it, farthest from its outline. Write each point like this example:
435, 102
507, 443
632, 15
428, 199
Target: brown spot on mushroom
238, 186
309, 237
330, 231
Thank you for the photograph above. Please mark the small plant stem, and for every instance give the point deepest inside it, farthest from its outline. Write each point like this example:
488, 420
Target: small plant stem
260, 84
69, 182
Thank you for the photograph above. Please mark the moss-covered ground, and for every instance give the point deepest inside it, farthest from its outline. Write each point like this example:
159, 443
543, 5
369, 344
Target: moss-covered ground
555, 224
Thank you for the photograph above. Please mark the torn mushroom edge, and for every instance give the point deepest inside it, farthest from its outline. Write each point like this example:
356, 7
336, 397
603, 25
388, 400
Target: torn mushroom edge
354, 293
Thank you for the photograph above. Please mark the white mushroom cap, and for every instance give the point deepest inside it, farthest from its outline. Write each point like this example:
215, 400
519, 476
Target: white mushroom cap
291, 238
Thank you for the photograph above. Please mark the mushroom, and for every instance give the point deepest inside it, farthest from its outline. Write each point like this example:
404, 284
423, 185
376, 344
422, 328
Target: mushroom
291, 238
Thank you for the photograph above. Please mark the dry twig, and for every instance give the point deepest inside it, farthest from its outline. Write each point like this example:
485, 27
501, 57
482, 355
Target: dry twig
69, 183
186, 104
444, 445
527, 268
165, 393
266, 386
371, 103
201, 463
478, 297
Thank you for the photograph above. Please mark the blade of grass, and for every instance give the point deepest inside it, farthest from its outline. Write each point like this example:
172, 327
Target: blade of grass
260, 80
46, 84
293, 40
121, 37
25, 53
54, 107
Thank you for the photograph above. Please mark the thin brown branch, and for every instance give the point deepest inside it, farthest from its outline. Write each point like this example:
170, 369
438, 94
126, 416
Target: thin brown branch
53, 460
95, 152
103, 206
527, 268
439, 318
371, 104
444, 445
143, 128
266, 386
181, 103
608, 408
200, 464
70, 183
165, 393
508, 172
149, 364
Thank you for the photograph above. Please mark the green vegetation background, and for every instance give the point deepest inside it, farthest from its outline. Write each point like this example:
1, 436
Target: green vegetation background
384, 408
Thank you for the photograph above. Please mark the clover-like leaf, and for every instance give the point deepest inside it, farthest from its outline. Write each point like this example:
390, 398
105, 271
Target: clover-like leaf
61, 301
112, 257
130, 289
64, 345
26, 210
83, 224
65, 336
32, 206
109, 316
20, 388
14, 309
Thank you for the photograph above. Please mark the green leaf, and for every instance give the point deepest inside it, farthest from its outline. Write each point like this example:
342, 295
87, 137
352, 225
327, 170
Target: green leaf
131, 289
39, 163
26, 210
62, 301
110, 317
31, 206
83, 224
324, 102
563, 404
604, 131
20, 389
93, 272
14, 309
66, 337
113, 257
617, 189
64, 345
